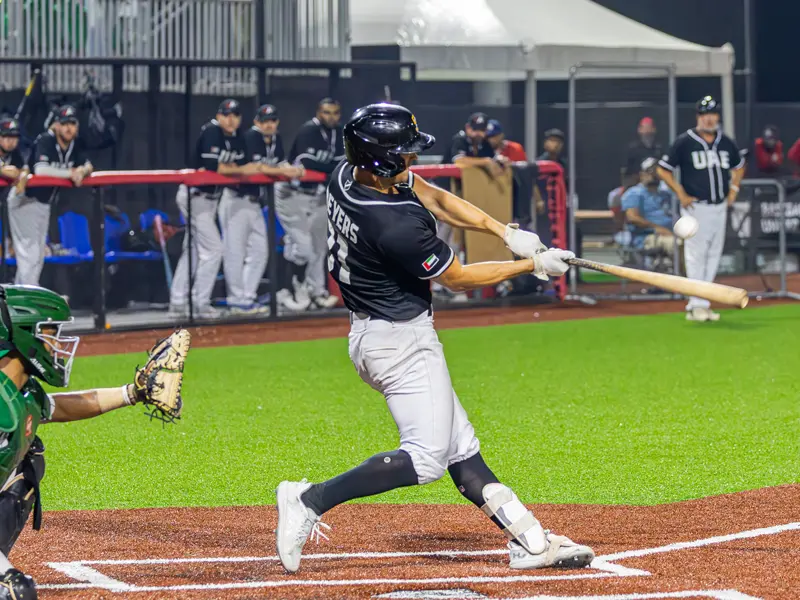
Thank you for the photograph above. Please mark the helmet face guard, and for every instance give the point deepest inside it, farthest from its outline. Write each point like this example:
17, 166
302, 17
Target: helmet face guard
32, 323
379, 136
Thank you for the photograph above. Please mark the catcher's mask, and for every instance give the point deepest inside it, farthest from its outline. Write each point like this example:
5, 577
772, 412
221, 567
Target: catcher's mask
32, 321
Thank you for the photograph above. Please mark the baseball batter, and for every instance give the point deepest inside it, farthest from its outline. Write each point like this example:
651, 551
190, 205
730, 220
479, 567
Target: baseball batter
244, 232
300, 206
33, 348
59, 153
384, 253
711, 169
220, 148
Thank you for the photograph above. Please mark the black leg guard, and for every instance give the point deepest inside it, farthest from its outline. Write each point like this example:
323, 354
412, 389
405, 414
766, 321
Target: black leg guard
471, 476
21, 496
378, 474
15, 585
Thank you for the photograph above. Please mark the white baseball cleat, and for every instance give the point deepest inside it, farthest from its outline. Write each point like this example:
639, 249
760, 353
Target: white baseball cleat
712, 316
296, 523
698, 314
286, 299
561, 552
324, 300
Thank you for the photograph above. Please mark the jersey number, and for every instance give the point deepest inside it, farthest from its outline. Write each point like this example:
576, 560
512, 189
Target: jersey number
335, 240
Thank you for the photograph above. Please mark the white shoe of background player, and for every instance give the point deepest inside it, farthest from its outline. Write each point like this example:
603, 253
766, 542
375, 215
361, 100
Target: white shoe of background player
712, 316
324, 300
296, 523
285, 299
301, 296
561, 552
701, 314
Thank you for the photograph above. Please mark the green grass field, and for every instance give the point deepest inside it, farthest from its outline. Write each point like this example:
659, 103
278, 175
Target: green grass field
635, 410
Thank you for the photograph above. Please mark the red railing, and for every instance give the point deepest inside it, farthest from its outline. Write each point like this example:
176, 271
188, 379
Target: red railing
551, 171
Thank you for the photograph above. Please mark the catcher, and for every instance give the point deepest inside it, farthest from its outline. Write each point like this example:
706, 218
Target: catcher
32, 348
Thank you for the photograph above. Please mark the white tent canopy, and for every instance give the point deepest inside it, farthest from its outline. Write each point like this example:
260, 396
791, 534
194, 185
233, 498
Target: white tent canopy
478, 40
531, 40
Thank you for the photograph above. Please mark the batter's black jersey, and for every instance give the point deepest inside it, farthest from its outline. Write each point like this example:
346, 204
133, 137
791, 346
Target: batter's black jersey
705, 168
316, 148
213, 148
382, 248
259, 150
47, 151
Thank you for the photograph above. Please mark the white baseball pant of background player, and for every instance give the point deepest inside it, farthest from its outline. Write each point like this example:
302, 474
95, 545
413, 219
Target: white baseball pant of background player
244, 238
29, 221
206, 253
405, 362
304, 218
703, 252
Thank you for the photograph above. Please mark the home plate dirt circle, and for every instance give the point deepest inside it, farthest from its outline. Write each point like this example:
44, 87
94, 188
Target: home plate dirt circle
730, 547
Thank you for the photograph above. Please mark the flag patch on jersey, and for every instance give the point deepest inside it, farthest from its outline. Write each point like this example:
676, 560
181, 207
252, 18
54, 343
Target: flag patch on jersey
430, 262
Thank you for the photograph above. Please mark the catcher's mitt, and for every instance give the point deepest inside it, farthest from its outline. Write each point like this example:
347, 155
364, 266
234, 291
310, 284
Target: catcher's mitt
157, 385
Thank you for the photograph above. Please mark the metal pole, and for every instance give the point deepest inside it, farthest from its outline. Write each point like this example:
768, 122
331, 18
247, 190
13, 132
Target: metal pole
99, 248
571, 192
672, 103
749, 71
272, 260
3, 233
782, 232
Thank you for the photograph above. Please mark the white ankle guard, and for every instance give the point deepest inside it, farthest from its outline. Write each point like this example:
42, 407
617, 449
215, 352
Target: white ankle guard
519, 524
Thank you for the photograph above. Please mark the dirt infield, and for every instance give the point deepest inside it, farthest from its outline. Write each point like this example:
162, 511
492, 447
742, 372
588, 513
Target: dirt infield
311, 329
730, 547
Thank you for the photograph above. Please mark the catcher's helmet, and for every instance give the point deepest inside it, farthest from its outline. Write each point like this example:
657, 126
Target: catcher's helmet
707, 105
9, 128
27, 313
377, 136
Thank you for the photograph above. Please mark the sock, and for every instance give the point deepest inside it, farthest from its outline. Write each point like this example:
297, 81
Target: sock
471, 476
299, 271
378, 474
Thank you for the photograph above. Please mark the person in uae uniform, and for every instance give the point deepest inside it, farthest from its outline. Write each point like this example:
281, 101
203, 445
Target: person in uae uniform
383, 253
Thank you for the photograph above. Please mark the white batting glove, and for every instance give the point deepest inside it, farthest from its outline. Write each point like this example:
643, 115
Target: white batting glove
551, 262
522, 243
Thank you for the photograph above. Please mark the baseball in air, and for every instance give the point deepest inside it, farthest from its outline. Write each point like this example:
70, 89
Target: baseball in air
686, 227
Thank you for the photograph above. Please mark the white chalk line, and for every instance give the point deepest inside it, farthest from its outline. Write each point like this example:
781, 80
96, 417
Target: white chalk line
717, 539
715, 594
93, 578
325, 583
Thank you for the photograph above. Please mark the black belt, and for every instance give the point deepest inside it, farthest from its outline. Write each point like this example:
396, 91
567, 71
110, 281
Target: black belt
363, 315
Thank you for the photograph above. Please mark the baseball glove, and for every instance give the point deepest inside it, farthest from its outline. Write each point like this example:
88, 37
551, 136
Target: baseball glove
157, 384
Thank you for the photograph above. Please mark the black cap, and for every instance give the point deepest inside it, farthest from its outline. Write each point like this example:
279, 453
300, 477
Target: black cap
229, 107
67, 114
377, 136
554, 133
267, 112
494, 128
478, 121
707, 105
9, 128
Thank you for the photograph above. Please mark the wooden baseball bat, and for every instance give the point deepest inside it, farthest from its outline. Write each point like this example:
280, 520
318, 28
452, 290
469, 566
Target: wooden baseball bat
715, 292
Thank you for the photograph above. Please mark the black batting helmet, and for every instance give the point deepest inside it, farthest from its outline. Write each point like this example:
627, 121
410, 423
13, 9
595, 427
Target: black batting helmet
376, 137
707, 105
9, 128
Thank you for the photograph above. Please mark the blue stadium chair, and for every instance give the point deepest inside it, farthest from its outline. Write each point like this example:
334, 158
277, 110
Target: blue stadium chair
115, 230
74, 231
148, 217
279, 232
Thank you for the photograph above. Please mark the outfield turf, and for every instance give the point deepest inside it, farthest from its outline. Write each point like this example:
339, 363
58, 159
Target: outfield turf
634, 410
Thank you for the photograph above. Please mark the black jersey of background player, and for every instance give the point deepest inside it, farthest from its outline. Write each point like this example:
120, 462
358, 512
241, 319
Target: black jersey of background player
214, 147
705, 168
316, 148
461, 145
12, 159
382, 248
259, 151
46, 151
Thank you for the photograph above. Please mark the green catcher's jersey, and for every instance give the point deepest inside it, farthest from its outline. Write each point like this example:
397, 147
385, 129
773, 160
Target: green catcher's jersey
21, 411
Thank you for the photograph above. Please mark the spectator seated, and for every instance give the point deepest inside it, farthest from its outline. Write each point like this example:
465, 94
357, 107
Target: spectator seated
117, 229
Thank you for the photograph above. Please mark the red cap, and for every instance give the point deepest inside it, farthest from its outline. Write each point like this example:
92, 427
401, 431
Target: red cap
646, 121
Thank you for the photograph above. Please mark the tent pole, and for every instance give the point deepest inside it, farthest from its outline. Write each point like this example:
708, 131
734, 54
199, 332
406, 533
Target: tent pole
728, 106
531, 118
